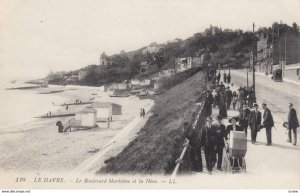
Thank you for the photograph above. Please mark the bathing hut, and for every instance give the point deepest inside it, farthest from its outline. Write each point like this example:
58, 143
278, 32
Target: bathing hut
105, 110
87, 117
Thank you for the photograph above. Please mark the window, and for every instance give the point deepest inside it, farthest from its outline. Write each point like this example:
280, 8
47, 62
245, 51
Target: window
298, 72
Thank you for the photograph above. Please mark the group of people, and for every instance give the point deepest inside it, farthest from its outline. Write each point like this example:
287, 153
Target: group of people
213, 136
221, 97
211, 140
226, 78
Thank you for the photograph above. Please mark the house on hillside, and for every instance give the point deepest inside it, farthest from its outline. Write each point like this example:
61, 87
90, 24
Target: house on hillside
82, 74
73, 79
153, 48
183, 64
167, 72
105, 60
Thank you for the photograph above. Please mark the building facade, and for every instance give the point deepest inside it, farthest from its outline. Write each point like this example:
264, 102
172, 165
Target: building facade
105, 60
153, 48
264, 59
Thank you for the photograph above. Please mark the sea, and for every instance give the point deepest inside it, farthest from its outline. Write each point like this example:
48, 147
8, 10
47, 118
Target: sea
20, 107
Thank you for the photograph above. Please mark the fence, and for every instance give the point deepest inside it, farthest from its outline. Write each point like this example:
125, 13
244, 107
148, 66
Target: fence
198, 123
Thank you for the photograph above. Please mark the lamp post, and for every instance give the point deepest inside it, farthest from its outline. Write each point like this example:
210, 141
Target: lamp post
253, 65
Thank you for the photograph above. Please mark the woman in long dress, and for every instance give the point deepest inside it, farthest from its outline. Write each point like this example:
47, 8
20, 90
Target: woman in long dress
222, 107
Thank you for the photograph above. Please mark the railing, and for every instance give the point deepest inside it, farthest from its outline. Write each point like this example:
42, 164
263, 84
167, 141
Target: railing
197, 125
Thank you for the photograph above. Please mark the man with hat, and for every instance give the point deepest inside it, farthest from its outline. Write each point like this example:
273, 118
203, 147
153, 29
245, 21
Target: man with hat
293, 123
244, 115
268, 123
228, 96
220, 134
254, 122
194, 141
208, 138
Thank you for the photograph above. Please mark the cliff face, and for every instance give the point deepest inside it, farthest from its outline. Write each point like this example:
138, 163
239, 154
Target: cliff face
160, 141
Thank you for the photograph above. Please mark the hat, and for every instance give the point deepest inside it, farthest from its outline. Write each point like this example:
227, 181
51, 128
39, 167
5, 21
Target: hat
235, 118
255, 104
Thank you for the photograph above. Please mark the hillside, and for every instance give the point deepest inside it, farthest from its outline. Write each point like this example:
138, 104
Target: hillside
159, 142
218, 47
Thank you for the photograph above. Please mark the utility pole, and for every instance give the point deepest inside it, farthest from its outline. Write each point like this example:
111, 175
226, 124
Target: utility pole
253, 64
247, 75
284, 54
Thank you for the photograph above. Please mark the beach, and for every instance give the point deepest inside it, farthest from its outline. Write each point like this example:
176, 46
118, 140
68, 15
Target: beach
37, 146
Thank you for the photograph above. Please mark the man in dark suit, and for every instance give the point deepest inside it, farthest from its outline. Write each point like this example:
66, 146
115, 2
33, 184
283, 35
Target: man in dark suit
208, 138
293, 124
228, 96
208, 103
268, 123
254, 122
244, 117
220, 134
194, 141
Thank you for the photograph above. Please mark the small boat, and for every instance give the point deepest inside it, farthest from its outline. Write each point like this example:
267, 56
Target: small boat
23, 88
117, 93
51, 92
82, 103
125, 95
57, 115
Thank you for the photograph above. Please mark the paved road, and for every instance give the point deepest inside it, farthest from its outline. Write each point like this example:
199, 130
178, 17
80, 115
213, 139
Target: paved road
277, 95
267, 166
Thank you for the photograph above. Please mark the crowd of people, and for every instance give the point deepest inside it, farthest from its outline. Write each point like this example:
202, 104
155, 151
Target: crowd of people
213, 136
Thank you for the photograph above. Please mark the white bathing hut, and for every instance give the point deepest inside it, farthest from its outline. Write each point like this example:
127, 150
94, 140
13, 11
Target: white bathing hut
105, 110
87, 117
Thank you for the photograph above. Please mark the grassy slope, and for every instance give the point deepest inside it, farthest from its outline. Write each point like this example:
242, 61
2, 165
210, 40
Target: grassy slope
159, 143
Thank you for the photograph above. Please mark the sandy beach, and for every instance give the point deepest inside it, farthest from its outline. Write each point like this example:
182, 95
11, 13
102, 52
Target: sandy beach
37, 146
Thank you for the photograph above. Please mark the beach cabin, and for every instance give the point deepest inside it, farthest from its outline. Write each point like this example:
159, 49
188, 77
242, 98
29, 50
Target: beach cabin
105, 110
87, 117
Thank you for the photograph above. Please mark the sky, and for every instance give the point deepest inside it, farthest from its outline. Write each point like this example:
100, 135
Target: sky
39, 36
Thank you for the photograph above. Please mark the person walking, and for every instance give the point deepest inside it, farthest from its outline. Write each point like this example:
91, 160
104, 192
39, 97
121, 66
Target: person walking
224, 77
228, 96
214, 95
228, 78
194, 141
208, 103
293, 124
240, 98
244, 117
208, 138
143, 112
218, 77
268, 123
254, 122
234, 99
220, 134
222, 106
251, 97
245, 91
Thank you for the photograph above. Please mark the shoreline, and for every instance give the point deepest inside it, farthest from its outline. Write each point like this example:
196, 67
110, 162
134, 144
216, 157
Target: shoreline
39, 147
